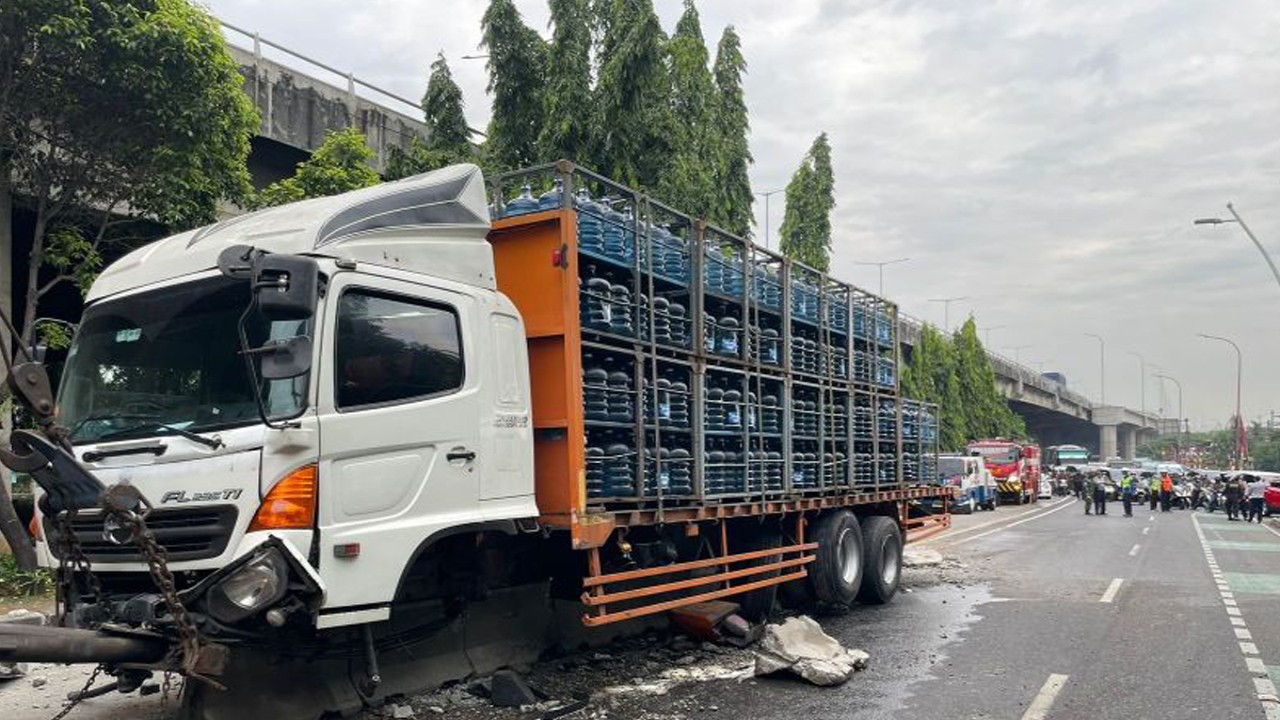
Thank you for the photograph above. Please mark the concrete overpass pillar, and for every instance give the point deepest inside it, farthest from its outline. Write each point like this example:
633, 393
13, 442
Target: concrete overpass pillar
1106, 441
1128, 442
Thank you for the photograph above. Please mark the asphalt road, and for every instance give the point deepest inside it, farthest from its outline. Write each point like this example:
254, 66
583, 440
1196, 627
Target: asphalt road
1058, 615
1036, 612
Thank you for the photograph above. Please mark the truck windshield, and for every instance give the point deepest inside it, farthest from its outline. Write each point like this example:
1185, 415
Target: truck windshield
950, 467
170, 358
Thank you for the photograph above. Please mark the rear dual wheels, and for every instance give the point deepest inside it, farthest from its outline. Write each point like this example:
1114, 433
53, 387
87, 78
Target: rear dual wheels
835, 576
882, 559
856, 559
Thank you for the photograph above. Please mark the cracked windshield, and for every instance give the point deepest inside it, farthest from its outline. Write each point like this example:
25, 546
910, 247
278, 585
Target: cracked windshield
639, 359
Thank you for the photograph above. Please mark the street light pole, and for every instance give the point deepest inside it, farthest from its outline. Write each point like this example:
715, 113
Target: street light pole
768, 195
1102, 367
1177, 384
1240, 221
1142, 368
1242, 440
1017, 352
986, 333
881, 265
946, 309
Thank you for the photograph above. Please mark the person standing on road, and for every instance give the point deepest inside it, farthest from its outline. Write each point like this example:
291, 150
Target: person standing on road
1153, 488
1087, 485
1256, 499
1099, 495
1127, 490
1232, 495
1166, 492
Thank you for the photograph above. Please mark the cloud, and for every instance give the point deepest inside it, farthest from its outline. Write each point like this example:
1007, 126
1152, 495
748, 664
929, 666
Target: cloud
1043, 157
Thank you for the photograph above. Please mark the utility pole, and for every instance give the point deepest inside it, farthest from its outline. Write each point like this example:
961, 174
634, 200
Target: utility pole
946, 309
767, 195
1142, 368
1174, 380
881, 265
986, 333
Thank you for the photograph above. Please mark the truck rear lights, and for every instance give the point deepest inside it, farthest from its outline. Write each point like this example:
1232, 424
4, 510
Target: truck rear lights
291, 504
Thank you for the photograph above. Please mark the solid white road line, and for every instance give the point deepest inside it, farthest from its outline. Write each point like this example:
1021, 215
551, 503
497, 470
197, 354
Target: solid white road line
1039, 707
1112, 589
964, 531
962, 541
1134, 550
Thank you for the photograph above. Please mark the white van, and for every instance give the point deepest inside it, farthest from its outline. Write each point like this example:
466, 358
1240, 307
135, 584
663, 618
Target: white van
975, 486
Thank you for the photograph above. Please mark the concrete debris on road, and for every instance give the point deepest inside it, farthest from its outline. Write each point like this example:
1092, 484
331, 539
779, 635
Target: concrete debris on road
916, 556
507, 689
15, 670
801, 647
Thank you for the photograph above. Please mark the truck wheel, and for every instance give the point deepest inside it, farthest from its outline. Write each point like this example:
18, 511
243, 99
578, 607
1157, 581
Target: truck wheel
835, 575
756, 605
882, 558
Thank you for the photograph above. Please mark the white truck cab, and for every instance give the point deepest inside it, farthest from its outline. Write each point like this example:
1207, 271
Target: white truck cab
393, 412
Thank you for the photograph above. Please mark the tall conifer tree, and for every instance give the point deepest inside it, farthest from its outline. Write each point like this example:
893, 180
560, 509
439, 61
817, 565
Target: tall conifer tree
733, 197
517, 62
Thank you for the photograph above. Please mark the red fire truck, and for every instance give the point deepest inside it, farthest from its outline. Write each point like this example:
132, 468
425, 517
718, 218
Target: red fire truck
1015, 466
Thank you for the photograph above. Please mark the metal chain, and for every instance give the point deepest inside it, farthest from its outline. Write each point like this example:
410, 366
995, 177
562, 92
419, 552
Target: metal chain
158, 565
71, 705
72, 560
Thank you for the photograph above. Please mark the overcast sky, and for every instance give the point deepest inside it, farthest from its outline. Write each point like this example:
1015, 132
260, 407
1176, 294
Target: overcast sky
1044, 159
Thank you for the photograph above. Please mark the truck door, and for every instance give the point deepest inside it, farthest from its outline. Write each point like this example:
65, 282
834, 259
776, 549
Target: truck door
400, 395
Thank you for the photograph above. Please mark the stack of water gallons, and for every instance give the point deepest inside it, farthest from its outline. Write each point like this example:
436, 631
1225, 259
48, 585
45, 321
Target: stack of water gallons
712, 367
919, 442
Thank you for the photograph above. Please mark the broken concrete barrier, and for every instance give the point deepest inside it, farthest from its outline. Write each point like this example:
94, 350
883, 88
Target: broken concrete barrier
801, 647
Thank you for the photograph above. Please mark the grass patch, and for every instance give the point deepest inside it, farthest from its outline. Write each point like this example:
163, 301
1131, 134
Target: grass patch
16, 583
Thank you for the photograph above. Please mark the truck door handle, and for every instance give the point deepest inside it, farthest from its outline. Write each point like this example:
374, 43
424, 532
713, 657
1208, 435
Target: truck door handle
467, 455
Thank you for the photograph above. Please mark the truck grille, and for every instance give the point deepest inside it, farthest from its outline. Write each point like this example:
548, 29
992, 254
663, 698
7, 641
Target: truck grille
185, 534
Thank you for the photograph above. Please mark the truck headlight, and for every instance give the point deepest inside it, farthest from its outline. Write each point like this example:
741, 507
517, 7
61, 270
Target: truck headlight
254, 586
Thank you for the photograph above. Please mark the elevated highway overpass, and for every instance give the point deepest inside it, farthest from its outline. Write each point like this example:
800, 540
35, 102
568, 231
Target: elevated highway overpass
1055, 414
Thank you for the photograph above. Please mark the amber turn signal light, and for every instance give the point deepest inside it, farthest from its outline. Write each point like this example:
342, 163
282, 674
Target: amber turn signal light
291, 504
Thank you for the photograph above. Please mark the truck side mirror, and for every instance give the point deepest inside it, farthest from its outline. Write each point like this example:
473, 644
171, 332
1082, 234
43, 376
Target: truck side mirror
287, 286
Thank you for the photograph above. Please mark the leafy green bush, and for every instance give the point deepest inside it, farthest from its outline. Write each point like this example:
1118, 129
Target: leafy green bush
23, 583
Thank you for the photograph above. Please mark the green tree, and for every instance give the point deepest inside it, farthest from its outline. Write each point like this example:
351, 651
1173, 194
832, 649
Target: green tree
689, 182
448, 135
806, 223
733, 196
517, 59
566, 100
986, 410
931, 377
111, 112
633, 119
443, 108
340, 164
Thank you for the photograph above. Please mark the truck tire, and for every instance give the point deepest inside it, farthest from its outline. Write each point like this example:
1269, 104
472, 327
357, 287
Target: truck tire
835, 575
756, 605
882, 559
